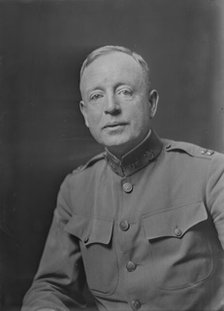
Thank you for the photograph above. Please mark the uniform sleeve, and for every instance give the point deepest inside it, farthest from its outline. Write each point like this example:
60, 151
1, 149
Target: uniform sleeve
215, 194
60, 278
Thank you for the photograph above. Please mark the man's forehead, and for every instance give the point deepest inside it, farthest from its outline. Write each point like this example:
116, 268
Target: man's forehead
113, 60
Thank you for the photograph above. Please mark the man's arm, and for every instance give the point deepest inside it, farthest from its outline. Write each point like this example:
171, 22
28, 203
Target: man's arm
60, 278
215, 194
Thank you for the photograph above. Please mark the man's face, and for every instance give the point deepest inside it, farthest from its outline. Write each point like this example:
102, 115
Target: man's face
117, 105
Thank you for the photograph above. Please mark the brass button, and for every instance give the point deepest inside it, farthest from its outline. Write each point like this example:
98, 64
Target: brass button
136, 304
210, 152
124, 225
131, 266
127, 187
177, 232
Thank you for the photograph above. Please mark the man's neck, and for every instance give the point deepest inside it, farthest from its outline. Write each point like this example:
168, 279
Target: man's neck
136, 158
117, 152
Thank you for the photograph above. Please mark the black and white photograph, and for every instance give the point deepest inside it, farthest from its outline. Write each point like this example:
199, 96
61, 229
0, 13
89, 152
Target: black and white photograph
112, 155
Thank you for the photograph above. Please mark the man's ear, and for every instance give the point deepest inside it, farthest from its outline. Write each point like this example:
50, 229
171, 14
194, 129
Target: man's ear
153, 100
83, 111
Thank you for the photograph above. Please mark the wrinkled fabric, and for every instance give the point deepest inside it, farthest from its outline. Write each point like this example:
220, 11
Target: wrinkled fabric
154, 244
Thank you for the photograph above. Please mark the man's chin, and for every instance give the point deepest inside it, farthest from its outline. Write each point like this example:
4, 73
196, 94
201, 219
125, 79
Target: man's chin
115, 143
118, 147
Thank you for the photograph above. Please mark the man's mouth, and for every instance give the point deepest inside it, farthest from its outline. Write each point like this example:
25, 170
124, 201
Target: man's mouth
114, 125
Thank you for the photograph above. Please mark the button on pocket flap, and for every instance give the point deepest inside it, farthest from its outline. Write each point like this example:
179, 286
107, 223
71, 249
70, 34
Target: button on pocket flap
90, 230
174, 222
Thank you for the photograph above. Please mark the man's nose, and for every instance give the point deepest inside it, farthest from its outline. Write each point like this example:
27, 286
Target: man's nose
112, 105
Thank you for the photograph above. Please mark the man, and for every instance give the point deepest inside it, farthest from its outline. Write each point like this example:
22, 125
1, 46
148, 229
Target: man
143, 222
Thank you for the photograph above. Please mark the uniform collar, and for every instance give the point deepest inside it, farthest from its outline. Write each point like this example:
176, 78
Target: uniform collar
137, 158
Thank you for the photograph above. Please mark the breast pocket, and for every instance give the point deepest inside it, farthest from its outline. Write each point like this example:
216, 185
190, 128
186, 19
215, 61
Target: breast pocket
99, 257
179, 245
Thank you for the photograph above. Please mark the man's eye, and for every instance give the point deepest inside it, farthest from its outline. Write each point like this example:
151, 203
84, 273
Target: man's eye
125, 92
95, 97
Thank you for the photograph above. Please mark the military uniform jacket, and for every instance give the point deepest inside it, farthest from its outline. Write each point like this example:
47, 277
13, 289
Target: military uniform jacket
146, 232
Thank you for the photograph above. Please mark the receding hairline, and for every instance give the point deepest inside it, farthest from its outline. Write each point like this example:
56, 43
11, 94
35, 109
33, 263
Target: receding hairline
109, 49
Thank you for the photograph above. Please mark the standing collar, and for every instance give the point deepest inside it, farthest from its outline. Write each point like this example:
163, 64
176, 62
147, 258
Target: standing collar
138, 157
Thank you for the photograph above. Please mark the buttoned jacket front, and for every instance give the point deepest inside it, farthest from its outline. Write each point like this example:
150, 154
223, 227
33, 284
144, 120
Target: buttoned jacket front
147, 233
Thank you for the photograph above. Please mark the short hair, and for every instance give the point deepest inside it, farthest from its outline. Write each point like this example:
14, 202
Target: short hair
107, 49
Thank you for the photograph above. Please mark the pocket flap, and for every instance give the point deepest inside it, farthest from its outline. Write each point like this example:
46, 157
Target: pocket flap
90, 231
175, 222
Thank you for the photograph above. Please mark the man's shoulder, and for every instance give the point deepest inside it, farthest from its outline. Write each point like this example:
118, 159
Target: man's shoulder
83, 172
193, 150
90, 163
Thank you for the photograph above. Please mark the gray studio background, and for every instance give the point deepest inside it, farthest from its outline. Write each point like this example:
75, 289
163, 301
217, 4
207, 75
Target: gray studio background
42, 135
